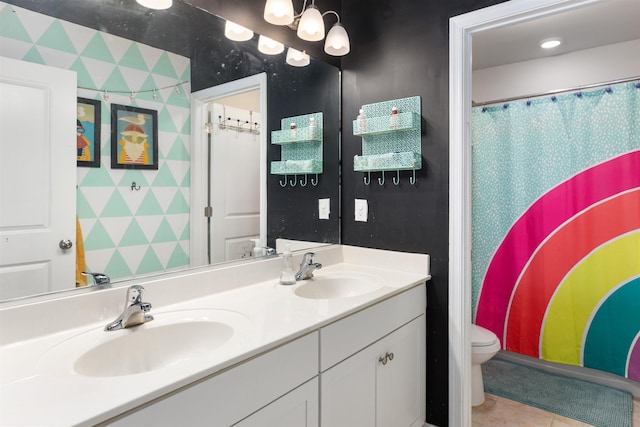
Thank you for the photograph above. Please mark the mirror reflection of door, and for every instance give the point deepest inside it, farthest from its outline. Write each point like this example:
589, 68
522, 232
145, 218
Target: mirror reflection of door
37, 166
235, 171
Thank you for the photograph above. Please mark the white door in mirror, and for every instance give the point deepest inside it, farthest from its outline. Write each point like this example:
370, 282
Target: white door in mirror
36, 148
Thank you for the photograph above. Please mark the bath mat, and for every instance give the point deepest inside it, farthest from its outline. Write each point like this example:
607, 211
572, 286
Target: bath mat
581, 400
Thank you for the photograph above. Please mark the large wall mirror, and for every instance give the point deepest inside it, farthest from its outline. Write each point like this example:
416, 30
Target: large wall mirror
138, 71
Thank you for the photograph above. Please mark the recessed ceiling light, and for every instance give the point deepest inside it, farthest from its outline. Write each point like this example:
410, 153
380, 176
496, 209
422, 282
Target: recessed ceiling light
551, 43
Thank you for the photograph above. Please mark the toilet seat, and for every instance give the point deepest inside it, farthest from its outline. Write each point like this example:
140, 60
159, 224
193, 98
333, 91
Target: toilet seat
482, 337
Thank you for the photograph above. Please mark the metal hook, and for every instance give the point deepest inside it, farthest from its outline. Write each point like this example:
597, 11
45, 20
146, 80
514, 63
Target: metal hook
314, 183
285, 181
367, 178
412, 180
396, 179
381, 181
304, 184
295, 181
134, 186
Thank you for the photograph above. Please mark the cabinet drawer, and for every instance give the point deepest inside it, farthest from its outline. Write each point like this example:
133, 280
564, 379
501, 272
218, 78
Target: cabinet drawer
235, 393
345, 337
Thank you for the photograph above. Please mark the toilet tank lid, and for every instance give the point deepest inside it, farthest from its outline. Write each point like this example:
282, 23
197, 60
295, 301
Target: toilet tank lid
482, 336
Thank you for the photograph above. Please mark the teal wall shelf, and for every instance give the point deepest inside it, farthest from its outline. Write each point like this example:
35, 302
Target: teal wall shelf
301, 149
390, 143
381, 125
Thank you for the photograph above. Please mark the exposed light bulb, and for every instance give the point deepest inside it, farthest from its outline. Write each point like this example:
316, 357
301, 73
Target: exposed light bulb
133, 96
177, 88
105, 96
155, 95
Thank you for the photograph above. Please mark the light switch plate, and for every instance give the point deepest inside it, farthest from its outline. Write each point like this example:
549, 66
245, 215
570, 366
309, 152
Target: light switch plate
324, 208
362, 210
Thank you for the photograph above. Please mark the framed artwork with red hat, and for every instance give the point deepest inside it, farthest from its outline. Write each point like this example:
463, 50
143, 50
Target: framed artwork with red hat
88, 132
134, 137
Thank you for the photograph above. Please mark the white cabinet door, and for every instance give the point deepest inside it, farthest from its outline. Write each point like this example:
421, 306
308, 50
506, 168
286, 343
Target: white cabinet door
400, 382
348, 392
362, 391
298, 408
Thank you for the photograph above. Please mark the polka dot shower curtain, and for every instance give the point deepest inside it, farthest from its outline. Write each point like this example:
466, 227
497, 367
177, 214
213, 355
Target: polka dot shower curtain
556, 227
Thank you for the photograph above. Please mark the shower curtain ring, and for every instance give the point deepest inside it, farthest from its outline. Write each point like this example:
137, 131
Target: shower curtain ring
367, 178
304, 184
381, 181
412, 179
285, 181
314, 182
295, 181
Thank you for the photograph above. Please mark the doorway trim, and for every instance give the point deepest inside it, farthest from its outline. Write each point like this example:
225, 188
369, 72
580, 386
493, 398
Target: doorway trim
199, 176
461, 30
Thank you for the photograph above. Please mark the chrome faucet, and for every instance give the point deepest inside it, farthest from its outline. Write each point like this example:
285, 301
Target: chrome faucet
100, 279
307, 266
135, 311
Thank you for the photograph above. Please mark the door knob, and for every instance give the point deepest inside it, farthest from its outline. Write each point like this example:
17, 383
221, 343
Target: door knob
65, 244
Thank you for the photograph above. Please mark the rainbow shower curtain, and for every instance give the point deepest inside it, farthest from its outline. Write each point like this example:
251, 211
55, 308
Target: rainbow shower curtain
556, 227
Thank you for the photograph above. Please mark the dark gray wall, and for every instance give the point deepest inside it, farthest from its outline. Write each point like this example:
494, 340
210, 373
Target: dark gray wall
401, 49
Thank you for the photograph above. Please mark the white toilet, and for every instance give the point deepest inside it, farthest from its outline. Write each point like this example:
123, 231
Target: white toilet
484, 345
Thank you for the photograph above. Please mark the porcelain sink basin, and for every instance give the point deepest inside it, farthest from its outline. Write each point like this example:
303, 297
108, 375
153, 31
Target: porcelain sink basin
338, 285
171, 339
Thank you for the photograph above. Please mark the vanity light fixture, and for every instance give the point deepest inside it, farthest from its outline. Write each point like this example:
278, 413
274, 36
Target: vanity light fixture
297, 58
269, 46
551, 43
156, 4
279, 12
309, 24
337, 43
236, 32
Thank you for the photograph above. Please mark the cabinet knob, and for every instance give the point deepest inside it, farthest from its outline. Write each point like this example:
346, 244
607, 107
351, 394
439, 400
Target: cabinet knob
387, 357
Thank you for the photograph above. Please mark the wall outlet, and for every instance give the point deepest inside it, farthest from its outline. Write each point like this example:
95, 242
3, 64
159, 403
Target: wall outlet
362, 210
324, 208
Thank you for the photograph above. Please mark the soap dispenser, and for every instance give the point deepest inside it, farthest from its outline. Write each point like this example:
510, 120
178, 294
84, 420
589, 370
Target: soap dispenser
258, 249
313, 129
394, 120
362, 121
287, 277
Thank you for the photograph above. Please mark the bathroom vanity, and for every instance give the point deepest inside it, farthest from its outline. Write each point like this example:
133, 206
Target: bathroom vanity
230, 346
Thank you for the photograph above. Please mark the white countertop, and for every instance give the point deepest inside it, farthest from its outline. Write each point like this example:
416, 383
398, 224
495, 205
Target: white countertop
32, 392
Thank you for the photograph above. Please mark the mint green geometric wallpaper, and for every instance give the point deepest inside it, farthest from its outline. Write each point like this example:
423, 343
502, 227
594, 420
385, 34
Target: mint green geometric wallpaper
127, 233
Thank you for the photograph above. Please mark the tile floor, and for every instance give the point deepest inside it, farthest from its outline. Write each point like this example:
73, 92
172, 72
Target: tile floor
498, 411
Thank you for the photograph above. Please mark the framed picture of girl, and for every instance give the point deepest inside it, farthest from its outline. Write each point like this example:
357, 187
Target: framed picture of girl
134, 137
88, 132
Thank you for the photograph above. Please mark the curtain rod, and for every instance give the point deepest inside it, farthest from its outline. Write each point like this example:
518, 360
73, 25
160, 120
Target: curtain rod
591, 86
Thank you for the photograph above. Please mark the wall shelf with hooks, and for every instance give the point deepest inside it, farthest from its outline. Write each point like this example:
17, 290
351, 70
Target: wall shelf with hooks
389, 142
301, 149
382, 125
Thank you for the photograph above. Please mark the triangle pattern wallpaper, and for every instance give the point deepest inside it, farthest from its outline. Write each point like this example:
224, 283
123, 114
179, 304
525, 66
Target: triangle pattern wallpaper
128, 229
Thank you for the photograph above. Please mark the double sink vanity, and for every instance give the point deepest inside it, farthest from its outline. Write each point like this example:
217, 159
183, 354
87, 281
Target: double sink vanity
228, 345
